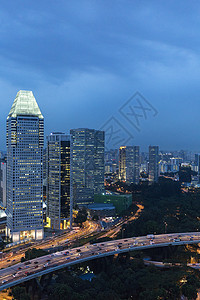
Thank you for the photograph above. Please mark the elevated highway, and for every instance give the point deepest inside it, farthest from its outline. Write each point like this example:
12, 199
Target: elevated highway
22, 272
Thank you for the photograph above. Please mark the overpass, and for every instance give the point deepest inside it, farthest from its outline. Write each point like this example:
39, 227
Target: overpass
22, 272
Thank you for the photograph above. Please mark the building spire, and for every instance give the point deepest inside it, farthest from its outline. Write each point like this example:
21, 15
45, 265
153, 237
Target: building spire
25, 104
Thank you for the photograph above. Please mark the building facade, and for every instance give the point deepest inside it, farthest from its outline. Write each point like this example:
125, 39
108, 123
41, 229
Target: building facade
87, 164
129, 164
136, 164
153, 163
25, 141
122, 163
3, 182
58, 180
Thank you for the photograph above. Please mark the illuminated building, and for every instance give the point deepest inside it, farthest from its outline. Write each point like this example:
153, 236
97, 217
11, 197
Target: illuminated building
175, 162
58, 180
136, 164
122, 163
129, 164
25, 140
3, 182
153, 163
87, 164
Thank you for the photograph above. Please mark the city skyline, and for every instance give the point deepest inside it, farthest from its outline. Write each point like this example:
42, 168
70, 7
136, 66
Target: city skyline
83, 61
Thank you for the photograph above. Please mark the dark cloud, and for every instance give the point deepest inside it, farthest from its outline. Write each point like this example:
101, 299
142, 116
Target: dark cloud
88, 57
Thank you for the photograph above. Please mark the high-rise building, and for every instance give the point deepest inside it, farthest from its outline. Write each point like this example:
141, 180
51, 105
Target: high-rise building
3, 182
136, 164
153, 163
197, 163
58, 180
87, 164
25, 141
122, 163
129, 164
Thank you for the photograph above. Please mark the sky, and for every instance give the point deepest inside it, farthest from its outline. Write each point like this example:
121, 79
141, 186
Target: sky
131, 68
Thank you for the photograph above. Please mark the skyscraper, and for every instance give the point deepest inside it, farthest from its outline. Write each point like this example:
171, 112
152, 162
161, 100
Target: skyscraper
87, 164
129, 164
153, 163
3, 181
25, 140
136, 164
58, 180
122, 163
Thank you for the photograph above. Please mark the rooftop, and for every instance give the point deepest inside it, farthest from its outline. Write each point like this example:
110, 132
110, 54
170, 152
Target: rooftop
25, 105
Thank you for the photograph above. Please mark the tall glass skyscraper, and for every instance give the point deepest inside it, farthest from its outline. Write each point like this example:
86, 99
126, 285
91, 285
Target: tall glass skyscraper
58, 180
136, 164
153, 163
87, 164
25, 141
129, 164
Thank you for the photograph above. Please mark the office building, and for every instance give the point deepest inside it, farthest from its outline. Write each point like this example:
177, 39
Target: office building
58, 180
25, 141
122, 163
153, 163
3, 182
87, 164
136, 164
129, 164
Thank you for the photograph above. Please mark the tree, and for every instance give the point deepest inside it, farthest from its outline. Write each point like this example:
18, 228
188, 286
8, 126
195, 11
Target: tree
81, 217
19, 293
33, 253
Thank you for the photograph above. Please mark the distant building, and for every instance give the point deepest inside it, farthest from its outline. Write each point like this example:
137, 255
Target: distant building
129, 164
87, 164
197, 164
101, 210
122, 163
58, 180
136, 164
175, 162
185, 173
120, 202
25, 141
153, 163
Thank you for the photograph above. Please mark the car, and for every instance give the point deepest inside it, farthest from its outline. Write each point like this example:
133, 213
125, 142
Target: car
36, 267
4, 281
13, 259
19, 268
8, 260
78, 250
26, 267
14, 275
35, 262
48, 260
27, 263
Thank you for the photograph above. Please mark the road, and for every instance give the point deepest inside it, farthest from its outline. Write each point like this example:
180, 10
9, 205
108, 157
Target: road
89, 228
25, 271
114, 231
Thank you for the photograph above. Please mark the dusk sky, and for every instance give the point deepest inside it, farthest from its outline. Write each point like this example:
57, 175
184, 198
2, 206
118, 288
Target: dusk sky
84, 59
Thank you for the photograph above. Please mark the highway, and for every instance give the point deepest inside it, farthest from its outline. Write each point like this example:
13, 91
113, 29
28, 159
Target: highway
117, 228
25, 271
89, 228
